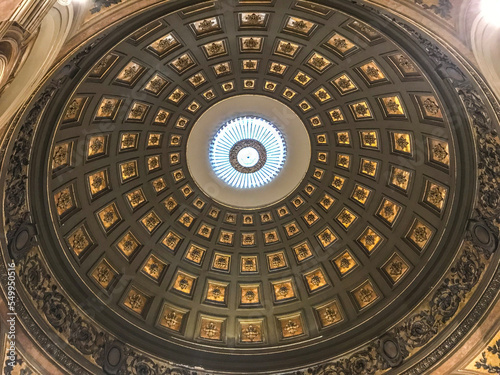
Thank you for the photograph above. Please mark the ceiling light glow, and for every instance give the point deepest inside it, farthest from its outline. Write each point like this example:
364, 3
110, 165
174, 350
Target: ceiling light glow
490, 9
247, 152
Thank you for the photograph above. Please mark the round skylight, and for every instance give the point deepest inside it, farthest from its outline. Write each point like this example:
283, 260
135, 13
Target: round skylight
247, 152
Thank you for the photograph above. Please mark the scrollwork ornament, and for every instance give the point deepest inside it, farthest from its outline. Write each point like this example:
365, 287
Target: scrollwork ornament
140, 365
57, 309
418, 329
85, 337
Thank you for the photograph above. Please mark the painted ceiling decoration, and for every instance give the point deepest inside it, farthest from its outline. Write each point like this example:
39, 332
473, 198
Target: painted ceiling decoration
371, 265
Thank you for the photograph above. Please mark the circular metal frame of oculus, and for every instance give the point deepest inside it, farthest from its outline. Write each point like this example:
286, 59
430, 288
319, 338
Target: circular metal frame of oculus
247, 152
286, 170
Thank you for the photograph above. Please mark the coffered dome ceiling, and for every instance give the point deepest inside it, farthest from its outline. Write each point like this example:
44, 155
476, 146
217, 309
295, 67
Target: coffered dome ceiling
163, 263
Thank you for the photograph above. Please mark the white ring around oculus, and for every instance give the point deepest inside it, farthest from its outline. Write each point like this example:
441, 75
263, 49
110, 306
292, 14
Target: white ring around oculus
295, 165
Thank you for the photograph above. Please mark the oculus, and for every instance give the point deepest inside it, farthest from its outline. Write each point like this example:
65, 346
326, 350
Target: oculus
247, 152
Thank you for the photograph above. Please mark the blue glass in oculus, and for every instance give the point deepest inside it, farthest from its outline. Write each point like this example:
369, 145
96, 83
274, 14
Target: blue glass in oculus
247, 152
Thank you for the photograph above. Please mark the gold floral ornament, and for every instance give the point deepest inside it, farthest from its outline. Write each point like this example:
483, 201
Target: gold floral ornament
400, 178
311, 217
74, 109
291, 326
209, 95
136, 301
214, 213
345, 263
160, 47
211, 328
177, 95
302, 78
438, 151
369, 139
343, 161
299, 26
153, 163
206, 26
154, 268
186, 190
253, 19
249, 294
205, 230
276, 261
109, 217
368, 167
344, 84
159, 184
251, 332
171, 241
292, 229
130, 73
326, 237
221, 262
128, 245
365, 294
186, 219
215, 49
61, 155
128, 141
277, 68
405, 66
318, 62
65, 201
329, 314
288, 93
315, 280
128, 170
322, 95
184, 283
336, 115
388, 211
372, 73
98, 182
395, 268
361, 110
248, 264
222, 68
197, 79
104, 274
172, 318
341, 45
195, 254
79, 241
103, 66
346, 217
250, 65
227, 86
216, 293
435, 195
271, 236
251, 44
108, 108
156, 85
419, 234
326, 202
183, 63
393, 106
283, 291
226, 237
369, 240
360, 194
248, 239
